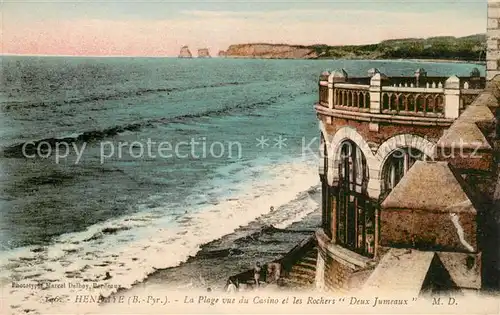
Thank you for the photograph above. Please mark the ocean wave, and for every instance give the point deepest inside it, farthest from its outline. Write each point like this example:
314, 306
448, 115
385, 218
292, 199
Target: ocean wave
9, 106
118, 254
16, 150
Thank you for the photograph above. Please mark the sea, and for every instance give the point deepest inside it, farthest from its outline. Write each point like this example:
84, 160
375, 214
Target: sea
127, 166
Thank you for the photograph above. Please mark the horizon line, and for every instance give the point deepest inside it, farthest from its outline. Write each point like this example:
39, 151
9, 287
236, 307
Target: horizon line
249, 43
83, 56
416, 60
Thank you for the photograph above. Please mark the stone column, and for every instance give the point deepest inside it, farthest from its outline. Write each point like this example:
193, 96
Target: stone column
330, 91
337, 76
322, 155
375, 93
333, 215
452, 97
493, 40
320, 272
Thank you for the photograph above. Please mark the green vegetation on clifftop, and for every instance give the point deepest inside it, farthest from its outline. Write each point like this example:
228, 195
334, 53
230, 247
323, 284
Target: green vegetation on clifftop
470, 48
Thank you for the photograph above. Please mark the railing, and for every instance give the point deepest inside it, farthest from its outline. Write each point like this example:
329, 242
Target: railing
424, 102
441, 97
471, 82
323, 94
352, 97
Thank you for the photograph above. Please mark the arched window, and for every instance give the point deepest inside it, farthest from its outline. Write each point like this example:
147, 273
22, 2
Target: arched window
397, 165
355, 228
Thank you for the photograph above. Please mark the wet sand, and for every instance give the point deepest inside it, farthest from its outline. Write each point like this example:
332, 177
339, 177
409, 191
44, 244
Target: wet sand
230, 255
218, 260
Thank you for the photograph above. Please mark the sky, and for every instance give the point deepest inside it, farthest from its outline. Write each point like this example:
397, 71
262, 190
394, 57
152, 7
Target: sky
160, 28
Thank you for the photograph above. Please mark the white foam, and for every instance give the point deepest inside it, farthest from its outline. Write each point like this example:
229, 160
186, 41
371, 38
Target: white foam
299, 216
85, 257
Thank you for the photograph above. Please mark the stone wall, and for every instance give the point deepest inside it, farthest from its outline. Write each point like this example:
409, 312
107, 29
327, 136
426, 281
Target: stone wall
336, 275
467, 160
376, 146
385, 130
424, 230
459, 236
493, 39
338, 265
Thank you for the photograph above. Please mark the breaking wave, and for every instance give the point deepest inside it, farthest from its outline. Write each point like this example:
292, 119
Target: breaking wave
120, 253
5, 107
16, 150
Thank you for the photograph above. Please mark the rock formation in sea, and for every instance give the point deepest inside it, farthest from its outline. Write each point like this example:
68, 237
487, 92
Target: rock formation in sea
222, 53
185, 52
203, 53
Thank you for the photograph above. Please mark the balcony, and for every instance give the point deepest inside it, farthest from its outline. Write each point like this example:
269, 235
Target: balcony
417, 100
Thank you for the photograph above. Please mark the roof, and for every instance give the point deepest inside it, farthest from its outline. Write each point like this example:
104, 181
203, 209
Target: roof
493, 87
432, 186
400, 270
459, 273
464, 132
486, 98
478, 112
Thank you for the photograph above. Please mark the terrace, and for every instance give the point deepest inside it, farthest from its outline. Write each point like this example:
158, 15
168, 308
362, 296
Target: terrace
418, 100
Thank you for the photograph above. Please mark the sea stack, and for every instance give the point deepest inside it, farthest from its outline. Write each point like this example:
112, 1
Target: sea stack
185, 53
203, 53
222, 54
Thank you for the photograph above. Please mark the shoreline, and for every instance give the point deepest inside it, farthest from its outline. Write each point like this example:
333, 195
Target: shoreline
76, 267
219, 259
482, 63
454, 61
438, 60
234, 253
268, 237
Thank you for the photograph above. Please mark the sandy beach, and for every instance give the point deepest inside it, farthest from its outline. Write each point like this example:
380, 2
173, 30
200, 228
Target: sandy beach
222, 258
232, 254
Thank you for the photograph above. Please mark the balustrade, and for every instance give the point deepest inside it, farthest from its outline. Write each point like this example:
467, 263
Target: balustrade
354, 99
406, 96
323, 94
413, 103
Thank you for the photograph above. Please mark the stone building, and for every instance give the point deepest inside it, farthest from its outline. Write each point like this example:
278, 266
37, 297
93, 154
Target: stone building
410, 179
493, 37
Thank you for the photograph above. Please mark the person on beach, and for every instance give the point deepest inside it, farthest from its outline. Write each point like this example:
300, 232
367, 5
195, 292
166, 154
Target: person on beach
256, 274
273, 272
231, 286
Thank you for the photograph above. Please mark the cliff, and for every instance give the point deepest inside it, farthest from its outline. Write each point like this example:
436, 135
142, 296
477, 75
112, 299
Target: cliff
222, 53
270, 51
470, 48
185, 52
203, 53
